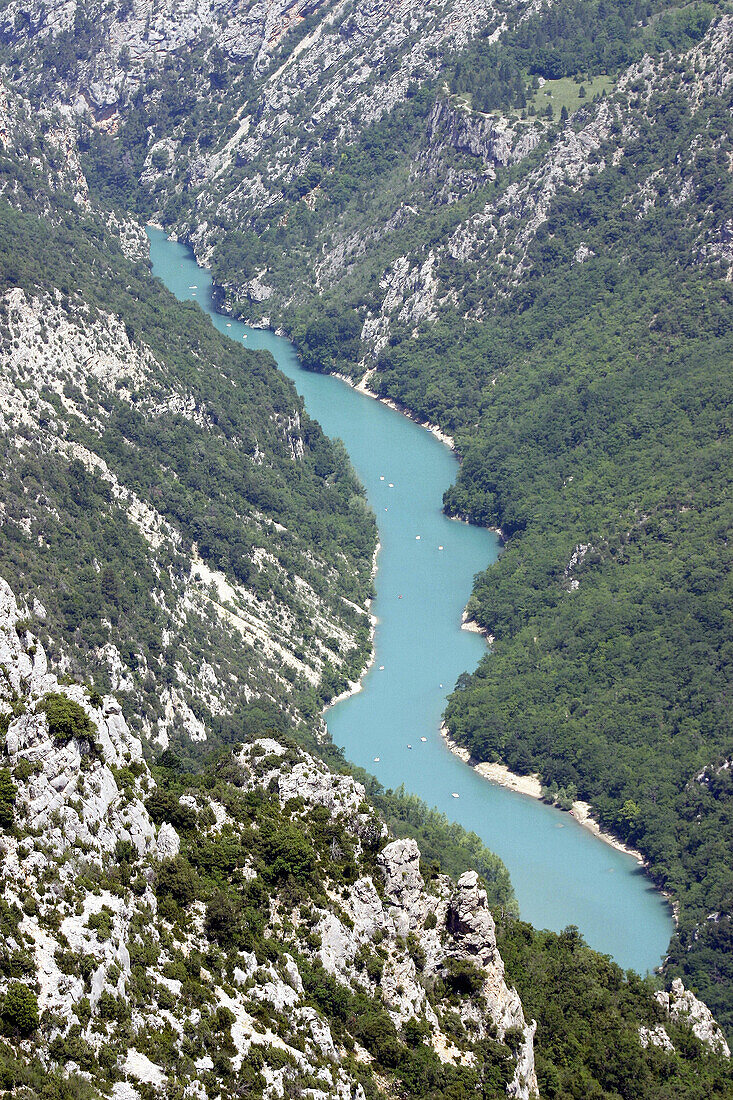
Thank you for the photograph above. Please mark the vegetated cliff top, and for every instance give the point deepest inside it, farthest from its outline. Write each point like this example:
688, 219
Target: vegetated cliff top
255, 924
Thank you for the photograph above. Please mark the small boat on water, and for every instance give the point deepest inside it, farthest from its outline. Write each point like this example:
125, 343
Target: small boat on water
381, 668
423, 738
376, 759
456, 795
409, 746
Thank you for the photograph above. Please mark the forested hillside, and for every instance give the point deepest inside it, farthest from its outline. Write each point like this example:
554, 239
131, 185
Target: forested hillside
516, 222
549, 283
166, 499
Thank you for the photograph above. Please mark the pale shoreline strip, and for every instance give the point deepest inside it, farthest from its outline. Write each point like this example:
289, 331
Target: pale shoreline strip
531, 786
473, 628
363, 387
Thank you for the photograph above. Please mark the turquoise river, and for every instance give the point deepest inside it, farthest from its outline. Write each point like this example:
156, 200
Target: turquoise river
561, 873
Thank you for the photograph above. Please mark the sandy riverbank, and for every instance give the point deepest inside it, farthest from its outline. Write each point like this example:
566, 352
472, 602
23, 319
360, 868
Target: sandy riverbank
531, 786
363, 387
581, 811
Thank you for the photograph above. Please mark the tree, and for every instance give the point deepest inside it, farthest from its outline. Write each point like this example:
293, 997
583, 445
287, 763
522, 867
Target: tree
66, 719
222, 921
19, 1013
8, 791
176, 879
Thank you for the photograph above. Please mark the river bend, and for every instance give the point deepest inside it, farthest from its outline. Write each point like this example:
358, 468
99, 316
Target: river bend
561, 873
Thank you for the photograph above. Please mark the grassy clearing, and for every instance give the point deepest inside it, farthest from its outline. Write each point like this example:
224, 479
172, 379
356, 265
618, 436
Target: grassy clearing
566, 92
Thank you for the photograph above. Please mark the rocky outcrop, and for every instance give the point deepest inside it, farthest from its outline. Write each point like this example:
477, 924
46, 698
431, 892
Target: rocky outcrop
496, 141
80, 809
474, 940
682, 1006
656, 1037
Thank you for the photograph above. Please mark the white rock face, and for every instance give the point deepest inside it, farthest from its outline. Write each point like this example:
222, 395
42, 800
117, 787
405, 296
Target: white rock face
656, 1037
403, 884
140, 1067
122, 1090
313, 782
168, 843
682, 1006
474, 932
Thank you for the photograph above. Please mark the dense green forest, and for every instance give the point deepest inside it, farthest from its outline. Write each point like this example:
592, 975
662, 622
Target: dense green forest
606, 437
588, 1014
586, 37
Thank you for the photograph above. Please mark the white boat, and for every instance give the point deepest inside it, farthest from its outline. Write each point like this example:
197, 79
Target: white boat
456, 795
376, 759
423, 738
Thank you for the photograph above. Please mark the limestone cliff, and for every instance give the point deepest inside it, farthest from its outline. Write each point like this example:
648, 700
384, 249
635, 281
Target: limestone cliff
99, 941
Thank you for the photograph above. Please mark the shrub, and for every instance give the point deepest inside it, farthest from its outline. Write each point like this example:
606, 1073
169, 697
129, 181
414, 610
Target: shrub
163, 805
19, 1013
8, 791
67, 719
463, 977
102, 922
176, 880
222, 922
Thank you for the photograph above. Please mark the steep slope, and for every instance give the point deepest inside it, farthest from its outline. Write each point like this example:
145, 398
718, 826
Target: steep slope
172, 952
255, 928
186, 529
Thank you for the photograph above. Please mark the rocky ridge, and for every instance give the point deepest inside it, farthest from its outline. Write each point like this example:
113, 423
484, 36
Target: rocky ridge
507, 225
83, 801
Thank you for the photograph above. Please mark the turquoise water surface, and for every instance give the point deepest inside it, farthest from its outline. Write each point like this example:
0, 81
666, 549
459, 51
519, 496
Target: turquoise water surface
561, 874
